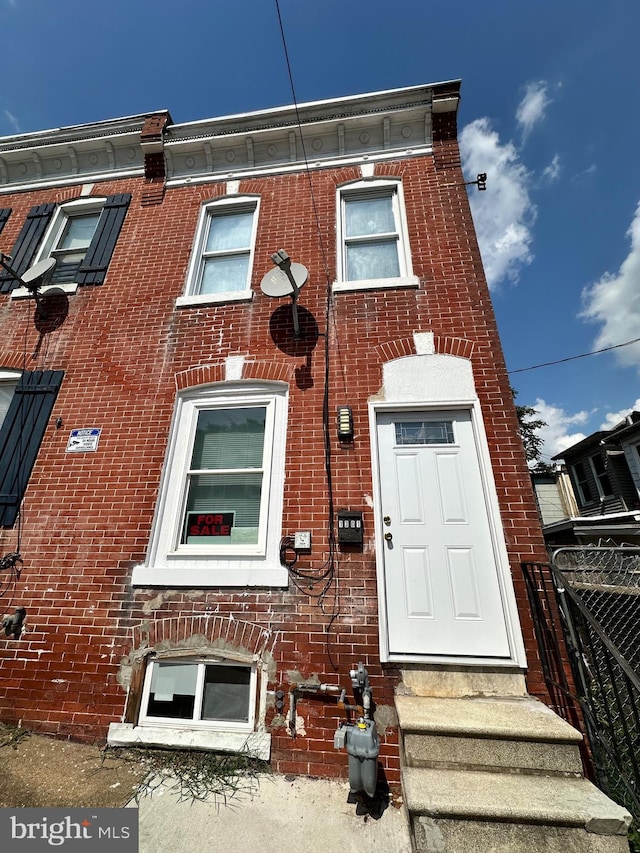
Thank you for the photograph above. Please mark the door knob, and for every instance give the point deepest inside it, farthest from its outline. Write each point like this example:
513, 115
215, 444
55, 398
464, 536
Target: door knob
388, 536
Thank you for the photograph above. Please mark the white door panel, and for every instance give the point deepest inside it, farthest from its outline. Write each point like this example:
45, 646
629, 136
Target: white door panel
441, 585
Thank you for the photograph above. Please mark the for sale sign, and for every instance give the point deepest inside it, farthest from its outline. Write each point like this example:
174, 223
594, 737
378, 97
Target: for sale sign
209, 523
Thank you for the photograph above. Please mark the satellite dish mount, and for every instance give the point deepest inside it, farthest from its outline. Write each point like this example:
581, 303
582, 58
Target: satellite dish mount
287, 280
32, 279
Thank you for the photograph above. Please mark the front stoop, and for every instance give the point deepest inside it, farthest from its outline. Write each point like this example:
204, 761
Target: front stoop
500, 776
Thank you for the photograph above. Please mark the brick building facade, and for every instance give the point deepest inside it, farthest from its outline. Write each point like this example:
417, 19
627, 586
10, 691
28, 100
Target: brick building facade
163, 538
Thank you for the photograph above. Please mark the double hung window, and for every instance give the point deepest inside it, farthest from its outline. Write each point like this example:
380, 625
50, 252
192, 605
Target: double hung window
222, 259
583, 483
69, 241
603, 483
373, 248
224, 489
81, 235
220, 509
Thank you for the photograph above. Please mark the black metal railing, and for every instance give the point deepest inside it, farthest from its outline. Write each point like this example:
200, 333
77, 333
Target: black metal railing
590, 683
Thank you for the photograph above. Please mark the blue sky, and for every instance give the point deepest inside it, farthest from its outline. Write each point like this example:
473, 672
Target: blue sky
549, 110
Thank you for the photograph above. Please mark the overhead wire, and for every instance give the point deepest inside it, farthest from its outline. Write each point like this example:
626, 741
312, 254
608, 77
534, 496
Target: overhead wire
326, 574
574, 357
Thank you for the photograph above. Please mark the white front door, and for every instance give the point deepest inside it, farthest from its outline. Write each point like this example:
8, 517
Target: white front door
442, 593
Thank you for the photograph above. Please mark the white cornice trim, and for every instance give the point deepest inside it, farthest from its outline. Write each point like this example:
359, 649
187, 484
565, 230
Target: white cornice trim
70, 180
339, 131
314, 164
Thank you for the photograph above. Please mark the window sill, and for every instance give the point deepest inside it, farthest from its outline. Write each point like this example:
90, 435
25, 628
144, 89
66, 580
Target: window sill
218, 573
24, 293
258, 744
376, 284
213, 298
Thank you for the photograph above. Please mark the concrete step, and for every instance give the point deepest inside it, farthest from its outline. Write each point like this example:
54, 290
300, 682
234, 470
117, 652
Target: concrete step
462, 810
512, 735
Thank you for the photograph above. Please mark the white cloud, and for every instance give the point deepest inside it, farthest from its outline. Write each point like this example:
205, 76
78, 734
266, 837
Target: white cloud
13, 121
614, 418
557, 435
614, 302
552, 171
531, 108
585, 173
504, 213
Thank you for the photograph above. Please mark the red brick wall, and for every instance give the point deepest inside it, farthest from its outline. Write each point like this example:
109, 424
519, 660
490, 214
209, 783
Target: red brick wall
125, 348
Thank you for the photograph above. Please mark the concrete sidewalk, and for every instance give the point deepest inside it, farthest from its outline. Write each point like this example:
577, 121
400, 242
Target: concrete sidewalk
282, 814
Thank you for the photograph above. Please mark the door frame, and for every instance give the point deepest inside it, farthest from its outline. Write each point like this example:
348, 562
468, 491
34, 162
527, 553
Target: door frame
505, 582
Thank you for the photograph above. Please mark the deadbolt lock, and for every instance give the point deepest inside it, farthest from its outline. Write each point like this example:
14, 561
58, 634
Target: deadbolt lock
387, 520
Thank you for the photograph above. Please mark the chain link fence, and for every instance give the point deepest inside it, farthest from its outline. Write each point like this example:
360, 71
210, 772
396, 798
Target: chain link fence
598, 596
607, 580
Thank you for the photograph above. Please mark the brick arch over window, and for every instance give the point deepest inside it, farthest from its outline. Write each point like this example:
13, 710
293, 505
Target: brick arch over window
442, 345
179, 632
199, 634
206, 374
11, 360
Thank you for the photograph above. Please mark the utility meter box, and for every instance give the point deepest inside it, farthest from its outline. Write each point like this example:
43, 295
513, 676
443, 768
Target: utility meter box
363, 748
350, 527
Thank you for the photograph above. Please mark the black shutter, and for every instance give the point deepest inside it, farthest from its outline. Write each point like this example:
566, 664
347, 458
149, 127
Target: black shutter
21, 435
94, 266
27, 244
5, 213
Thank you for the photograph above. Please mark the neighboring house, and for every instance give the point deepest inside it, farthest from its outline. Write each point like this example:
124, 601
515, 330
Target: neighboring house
601, 502
200, 532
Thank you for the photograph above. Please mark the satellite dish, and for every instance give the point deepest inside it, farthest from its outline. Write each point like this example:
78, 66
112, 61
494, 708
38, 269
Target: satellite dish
277, 284
32, 277
286, 280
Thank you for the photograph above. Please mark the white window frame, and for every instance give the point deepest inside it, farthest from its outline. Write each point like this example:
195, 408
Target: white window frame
178, 722
222, 736
8, 379
228, 204
53, 234
171, 563
374, 188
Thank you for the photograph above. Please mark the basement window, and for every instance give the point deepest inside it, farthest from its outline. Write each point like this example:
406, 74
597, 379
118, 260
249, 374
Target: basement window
199, 693
189, 701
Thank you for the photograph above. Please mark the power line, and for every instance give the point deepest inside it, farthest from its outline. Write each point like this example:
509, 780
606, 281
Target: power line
327, 574
574, 357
